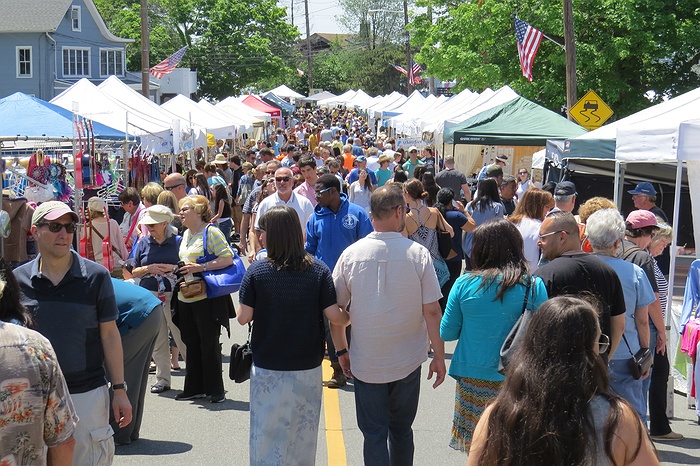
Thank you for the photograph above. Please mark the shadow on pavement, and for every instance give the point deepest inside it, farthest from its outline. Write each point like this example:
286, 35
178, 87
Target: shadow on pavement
153, 448
677, 457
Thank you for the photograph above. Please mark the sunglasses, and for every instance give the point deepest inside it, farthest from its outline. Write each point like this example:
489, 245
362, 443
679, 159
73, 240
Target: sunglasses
603, 343
551, 233
320, 193
522, 173
55, 227
170, 188
282, 179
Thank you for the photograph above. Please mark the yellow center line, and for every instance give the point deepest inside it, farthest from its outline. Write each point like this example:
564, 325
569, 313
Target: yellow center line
335, 443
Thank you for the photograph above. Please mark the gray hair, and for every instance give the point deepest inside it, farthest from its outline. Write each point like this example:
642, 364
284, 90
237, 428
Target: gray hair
664, 233
604, 228
563, 199
347, 148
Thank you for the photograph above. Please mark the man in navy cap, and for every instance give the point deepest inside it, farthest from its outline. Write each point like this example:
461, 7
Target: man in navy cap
565, 196
644, 198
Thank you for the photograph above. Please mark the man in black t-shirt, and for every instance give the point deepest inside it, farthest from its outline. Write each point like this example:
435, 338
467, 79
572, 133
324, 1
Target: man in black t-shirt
572, 271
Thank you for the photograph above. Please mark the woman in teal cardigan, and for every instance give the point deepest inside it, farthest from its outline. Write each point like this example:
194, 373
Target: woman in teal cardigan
482, 307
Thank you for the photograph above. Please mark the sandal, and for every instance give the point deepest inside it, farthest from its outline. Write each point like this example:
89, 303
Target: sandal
175, 368
160, 388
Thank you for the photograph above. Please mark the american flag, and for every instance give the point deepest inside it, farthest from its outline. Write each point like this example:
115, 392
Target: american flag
168, 65
400, 69
415, 71
528, 39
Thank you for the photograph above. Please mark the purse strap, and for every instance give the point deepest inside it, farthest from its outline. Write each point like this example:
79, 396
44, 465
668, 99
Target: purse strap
205, 233
627, 344
527, 295
250, 331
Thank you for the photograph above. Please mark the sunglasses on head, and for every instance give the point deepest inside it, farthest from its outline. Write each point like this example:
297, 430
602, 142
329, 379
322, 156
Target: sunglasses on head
55, 227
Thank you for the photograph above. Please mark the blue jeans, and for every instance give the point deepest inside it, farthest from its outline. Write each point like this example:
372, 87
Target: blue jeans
386, 411
225, 227
625, 386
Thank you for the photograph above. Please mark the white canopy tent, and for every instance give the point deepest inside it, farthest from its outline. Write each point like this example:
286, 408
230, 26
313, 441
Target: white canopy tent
407, 122
283, 91
338, 100
359, 100
246, 123
484, 102
234, 106
124, 94
219, 127
689, 152
154, 132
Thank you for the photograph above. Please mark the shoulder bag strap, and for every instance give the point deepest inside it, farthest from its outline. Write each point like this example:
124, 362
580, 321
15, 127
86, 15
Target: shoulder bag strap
133, 224
114, 248
527, 295
627, 344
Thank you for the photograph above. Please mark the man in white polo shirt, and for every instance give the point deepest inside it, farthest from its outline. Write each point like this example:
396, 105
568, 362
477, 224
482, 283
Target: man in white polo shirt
394, 313
284, 182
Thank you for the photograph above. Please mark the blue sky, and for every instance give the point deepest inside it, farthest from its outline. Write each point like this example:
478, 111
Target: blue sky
321, 15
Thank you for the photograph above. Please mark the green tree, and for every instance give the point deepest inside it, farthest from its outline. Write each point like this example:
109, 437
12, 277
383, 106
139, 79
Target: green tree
233, 43
624, 49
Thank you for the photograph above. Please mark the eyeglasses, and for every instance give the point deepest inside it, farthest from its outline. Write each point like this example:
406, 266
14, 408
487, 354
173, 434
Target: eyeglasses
170, 188
320, 193
282, 179
603, 343
522, 173
55, 227
270, 172
551, 233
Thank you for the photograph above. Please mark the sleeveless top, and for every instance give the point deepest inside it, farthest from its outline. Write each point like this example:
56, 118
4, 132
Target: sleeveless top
599, 407
427, 237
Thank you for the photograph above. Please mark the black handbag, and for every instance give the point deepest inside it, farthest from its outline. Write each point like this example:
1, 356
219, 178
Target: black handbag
639, 363
241, 360
516, 334
444, 240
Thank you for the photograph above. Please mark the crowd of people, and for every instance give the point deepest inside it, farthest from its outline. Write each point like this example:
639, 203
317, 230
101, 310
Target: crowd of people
348, 232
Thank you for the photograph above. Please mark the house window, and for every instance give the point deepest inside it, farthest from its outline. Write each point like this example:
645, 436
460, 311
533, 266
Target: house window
76, 62
111, 62
75, 18
24, 62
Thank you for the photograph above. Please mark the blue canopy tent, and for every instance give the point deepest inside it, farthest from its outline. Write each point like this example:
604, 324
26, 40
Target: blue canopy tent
278, 102
24, 115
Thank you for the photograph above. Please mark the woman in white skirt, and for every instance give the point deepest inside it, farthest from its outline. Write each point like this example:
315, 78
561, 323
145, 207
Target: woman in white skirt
286, 296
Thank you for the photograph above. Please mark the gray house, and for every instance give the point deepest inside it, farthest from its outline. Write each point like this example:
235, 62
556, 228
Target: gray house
47, 45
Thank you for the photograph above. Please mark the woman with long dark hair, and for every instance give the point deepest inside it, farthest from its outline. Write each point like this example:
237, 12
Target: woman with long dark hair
482, 209
431, 187
360, 191
222, 210
555, 406
460, 221
11, 308
483, 306
286, 296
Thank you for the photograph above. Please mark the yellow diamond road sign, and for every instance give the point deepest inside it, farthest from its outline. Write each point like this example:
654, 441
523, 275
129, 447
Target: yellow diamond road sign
590, 112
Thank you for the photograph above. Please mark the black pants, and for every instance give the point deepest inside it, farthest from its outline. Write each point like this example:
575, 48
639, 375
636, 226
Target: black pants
455, 268
200, 333
658, 421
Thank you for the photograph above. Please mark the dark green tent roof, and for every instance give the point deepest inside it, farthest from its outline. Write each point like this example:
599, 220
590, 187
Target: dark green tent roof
518, 122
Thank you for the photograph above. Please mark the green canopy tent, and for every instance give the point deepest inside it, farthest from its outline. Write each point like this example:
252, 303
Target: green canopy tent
518, 122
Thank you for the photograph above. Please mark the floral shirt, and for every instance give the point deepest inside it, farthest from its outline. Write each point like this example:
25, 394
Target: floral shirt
36, 411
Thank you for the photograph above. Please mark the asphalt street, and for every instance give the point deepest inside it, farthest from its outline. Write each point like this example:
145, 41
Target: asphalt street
200, 433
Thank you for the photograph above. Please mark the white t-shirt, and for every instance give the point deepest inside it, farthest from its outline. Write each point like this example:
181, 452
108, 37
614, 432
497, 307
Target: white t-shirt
530, 230
299, 203
388, 278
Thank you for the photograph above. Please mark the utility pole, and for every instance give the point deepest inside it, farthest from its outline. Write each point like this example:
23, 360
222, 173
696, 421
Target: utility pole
409, 65
308, 47
145, 50
570, 43
431, 80
292, 8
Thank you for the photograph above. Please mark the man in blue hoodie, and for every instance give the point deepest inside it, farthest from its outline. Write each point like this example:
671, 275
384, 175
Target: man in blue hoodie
335, 224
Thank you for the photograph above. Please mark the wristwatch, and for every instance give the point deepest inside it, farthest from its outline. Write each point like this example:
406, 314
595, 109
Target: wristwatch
341, 352
119, 386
